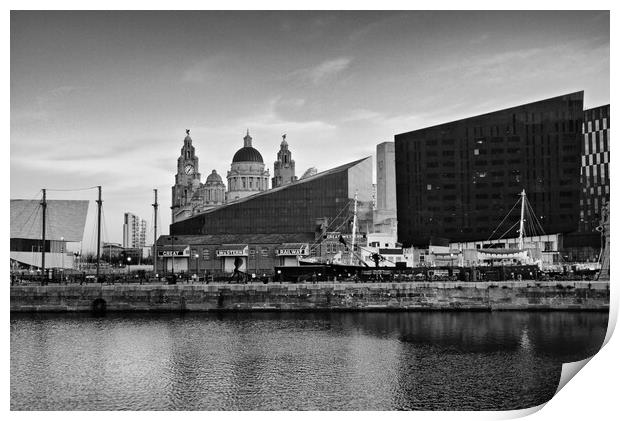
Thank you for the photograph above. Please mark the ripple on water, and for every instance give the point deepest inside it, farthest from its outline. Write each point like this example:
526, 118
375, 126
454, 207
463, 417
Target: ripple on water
293, 361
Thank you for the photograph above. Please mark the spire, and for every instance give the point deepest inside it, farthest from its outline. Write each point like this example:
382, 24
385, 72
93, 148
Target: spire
247, 140
187, 138
284, 142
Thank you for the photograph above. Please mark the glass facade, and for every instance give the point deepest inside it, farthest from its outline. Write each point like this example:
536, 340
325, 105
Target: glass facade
594, 167
269, 222
459, 180
585, 244
291, 209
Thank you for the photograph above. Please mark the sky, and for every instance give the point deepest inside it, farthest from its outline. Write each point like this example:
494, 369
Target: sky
104, 98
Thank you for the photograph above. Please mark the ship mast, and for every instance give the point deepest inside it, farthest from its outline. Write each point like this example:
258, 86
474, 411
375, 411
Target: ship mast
521, 221
99, 202
44, 207
155, 206
354, 227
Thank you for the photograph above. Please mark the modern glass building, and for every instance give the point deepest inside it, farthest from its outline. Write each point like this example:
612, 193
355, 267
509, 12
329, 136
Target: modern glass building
284, 221
594, 167
458, 180
585, 244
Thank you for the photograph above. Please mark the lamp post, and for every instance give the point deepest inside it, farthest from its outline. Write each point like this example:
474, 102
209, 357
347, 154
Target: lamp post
172, 238
128, 262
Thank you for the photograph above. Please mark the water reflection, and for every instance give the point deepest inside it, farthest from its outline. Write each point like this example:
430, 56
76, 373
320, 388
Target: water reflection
372, 361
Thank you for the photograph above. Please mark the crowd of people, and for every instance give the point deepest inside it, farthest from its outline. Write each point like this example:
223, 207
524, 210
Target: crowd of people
143, 277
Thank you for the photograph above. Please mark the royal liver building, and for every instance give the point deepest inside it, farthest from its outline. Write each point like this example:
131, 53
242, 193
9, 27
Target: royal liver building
247, 176
189, 195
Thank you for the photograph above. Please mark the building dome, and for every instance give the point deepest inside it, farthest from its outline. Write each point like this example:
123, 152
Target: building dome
214, 177
247, 154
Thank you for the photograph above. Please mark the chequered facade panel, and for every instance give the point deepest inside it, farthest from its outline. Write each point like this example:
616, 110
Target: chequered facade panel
594, 167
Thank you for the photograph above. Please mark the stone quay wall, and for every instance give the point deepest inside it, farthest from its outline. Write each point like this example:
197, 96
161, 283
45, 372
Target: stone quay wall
411, 296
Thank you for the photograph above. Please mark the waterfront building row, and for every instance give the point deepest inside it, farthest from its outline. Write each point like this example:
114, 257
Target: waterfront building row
274, 227
455, 181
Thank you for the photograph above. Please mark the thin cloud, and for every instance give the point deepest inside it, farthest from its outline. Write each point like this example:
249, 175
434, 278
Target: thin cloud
480, 38
198, 72
205, 69
378, 25
58, 93
41, 109
361, 114
273, 122
324, 71
29, 116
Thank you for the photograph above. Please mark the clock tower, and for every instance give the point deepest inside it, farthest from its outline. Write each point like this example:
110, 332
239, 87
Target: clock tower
187, 178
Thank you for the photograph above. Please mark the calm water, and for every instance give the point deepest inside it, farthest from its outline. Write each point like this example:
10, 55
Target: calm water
295, 361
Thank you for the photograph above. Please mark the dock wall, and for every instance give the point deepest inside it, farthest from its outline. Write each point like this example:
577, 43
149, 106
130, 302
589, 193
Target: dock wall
481, 296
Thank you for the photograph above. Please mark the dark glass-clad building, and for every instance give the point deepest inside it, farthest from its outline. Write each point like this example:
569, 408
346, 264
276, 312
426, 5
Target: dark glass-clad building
585, 244
594, 167
288, 209
458, 180
284, 221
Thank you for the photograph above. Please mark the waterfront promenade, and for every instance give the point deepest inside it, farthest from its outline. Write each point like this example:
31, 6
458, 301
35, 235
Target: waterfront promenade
392, 296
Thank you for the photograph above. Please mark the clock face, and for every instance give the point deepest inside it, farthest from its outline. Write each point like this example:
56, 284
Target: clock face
189, 169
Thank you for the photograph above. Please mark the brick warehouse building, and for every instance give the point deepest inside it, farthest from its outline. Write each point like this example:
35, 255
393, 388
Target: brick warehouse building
458, 180
270, 228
